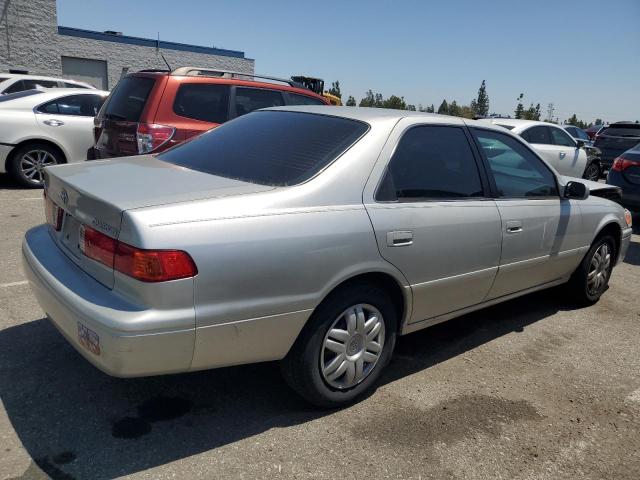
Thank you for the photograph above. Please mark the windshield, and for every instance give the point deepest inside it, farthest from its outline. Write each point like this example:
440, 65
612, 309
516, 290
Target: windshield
274, 148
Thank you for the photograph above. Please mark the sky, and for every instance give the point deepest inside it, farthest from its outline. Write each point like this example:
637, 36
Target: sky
581, 55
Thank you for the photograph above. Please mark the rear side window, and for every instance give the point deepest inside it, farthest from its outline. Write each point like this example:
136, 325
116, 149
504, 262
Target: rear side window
269, 148
78, 105
250, 99
73, 85
622, 131
560, 137
539, 134
296, 99
431, 163
128, 99
202, 101
518, 173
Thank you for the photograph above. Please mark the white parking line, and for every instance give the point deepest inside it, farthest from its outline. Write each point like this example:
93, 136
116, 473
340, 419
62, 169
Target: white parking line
13, 284
31, 198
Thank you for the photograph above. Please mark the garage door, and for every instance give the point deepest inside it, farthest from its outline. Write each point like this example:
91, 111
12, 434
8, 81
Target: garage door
86, 70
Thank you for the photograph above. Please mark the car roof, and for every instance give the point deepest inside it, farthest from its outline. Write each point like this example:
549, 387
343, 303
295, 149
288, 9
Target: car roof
12, 76
517, 123
46, 95
372, 115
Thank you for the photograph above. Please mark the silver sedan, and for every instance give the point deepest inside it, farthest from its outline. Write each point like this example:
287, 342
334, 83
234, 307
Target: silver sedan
310, 235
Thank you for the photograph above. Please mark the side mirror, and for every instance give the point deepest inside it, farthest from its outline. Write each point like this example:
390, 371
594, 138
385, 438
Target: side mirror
576, 190
580, 143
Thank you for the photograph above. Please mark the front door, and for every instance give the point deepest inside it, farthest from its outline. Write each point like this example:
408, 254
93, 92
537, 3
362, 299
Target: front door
540, 230
432, 219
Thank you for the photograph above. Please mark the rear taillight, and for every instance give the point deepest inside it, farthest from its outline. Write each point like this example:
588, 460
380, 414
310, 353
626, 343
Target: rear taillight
620, 164
53, 213
143, 265
151, 136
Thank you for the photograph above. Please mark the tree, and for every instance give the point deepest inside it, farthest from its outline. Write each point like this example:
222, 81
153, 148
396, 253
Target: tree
532, 113
454, 109
394, 102
481, 105
411, 108
599, 121
351, 102
443, 108
431, 109
335, 89
467, 112
520, 108
369, 100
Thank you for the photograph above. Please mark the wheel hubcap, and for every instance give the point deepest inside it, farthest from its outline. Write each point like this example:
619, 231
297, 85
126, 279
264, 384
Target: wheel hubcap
33, 163
352, 346
593, 173
599, 269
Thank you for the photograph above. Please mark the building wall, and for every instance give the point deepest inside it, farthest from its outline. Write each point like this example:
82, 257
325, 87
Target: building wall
29, 40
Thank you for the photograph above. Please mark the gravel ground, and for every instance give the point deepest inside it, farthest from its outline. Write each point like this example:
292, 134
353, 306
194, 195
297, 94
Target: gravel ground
531, 389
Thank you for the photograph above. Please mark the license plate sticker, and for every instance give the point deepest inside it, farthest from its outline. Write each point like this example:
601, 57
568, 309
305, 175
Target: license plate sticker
89, 339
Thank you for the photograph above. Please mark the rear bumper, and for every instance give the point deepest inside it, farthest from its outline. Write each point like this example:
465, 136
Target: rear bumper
73, 301
5, 150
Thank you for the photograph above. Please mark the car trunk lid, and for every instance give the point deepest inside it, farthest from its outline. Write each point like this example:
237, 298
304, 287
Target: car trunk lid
95, 194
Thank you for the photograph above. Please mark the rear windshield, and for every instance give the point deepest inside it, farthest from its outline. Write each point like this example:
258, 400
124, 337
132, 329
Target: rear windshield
128, 99
622, 131
269, 148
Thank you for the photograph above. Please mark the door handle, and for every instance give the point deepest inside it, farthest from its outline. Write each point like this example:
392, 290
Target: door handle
399, 238
514, 226
562, 154
53, 122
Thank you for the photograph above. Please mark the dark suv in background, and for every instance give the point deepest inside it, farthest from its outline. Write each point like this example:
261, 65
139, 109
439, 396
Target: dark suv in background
616, 139
150, 111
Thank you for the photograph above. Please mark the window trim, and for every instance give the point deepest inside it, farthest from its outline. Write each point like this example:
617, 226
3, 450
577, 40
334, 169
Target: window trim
37, 110
233, 113
182, 84
288, 96
484, 181
494, 188
545, 127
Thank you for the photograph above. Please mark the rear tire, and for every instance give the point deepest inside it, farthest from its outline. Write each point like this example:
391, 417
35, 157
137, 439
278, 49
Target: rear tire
28, 162
591, 278
593, 172
333, 362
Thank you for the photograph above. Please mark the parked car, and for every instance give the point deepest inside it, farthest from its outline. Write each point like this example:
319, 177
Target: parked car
616, 139
14, 82
309, 235
39, 128
556, 146
625, 173
593, 131
150, 111
578, 134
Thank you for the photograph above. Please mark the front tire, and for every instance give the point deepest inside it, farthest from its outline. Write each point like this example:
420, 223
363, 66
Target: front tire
591, 278
593, 172
28, 163
342, 350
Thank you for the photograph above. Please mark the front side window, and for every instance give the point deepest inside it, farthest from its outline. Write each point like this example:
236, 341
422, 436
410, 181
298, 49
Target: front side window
517, 172
539, 134
269, 148
296, 99
250, 99
431, 163
77, 105
203, 101
560, 137
36, 83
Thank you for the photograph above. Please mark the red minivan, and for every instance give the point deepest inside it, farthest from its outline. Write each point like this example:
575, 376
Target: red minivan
150, 111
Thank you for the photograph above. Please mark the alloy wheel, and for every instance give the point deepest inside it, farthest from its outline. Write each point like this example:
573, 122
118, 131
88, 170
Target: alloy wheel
352, 346
599, 269
33, 162
592, 173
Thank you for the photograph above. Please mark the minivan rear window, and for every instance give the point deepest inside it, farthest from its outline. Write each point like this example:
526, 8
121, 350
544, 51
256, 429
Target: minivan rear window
269, 148
128, 99
622, 131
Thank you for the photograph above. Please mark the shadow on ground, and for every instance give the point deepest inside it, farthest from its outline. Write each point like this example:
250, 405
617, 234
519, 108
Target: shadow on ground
76, 422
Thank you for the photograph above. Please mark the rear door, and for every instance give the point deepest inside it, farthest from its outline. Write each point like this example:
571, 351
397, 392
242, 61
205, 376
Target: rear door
539, 137
540, 230
117, 122
432, 218
69, 120
572, 160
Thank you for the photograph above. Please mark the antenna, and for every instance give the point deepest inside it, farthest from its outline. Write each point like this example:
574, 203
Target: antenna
159, 52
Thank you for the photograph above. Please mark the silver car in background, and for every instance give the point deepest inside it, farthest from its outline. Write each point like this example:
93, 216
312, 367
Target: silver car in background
310, 235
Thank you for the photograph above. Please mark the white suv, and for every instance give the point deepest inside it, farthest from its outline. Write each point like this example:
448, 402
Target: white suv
554, 145
14, 82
